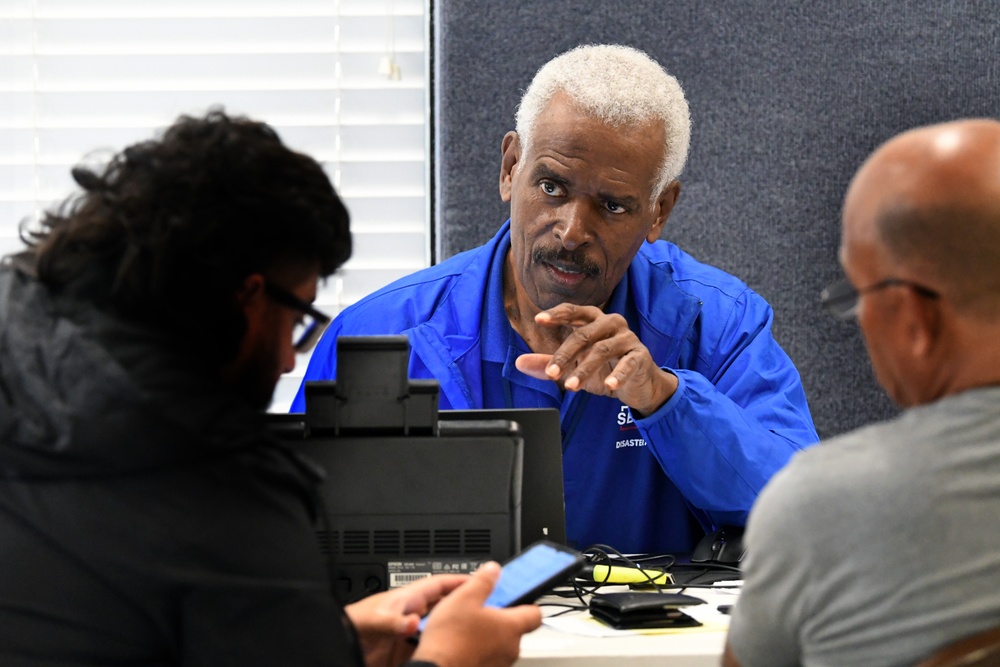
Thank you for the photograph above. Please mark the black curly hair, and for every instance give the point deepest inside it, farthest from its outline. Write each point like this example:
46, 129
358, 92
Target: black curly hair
167, 232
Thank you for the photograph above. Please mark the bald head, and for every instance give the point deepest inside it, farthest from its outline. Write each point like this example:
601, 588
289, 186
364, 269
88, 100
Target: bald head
928, 204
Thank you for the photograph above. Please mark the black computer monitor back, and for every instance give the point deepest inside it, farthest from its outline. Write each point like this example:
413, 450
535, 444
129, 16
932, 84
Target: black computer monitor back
398, 507
543, 509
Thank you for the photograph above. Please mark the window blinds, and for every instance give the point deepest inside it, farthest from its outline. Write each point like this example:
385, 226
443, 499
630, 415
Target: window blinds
342, 80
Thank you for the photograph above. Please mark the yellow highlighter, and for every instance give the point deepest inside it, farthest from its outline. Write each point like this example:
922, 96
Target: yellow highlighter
617, 574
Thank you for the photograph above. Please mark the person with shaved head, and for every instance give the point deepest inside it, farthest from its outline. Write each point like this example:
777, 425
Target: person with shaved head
881, 545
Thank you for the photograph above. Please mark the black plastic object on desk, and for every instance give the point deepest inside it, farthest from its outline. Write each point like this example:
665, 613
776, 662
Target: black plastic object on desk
631, 611
723, 546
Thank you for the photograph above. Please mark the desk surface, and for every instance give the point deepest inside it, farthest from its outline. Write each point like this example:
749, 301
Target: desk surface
557, 644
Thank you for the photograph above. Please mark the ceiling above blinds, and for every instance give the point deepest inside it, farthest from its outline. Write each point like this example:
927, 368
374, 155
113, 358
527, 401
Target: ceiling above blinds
344, 81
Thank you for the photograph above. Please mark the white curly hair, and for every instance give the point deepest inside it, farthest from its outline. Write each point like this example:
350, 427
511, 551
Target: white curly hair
619, 85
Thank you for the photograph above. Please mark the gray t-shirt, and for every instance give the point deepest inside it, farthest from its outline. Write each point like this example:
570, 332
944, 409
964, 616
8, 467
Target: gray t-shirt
879, 546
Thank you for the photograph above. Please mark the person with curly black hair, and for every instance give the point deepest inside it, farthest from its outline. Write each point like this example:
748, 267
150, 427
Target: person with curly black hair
147, 517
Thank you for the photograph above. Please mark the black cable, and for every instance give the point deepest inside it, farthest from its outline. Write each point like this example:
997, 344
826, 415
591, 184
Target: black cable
604, 551
710, 566
568, 608
602, 554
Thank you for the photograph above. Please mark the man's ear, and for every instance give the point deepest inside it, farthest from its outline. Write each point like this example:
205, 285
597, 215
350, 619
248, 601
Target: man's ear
251, 293
664, 205
510, 151
925, 325
251, 299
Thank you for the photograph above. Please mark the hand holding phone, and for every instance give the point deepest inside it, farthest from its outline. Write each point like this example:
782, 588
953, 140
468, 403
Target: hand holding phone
462, 631
531, 573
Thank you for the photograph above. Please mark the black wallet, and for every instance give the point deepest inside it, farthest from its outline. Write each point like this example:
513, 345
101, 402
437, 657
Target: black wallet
632, 611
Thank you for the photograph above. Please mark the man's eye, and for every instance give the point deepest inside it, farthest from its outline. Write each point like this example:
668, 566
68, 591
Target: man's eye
614, 207
551, 189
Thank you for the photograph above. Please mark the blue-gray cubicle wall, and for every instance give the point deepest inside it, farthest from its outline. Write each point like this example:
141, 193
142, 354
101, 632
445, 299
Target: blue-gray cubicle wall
787, 98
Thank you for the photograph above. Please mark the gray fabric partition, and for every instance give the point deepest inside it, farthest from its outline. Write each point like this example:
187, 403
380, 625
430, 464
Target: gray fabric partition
787, 98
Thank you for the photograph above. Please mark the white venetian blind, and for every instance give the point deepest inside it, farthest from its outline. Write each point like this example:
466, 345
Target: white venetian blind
342, 80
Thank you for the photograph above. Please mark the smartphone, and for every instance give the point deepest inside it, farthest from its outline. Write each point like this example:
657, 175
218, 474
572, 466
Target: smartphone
531, 573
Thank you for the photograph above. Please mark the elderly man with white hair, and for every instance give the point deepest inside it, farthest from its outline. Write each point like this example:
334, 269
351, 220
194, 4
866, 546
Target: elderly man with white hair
676, 403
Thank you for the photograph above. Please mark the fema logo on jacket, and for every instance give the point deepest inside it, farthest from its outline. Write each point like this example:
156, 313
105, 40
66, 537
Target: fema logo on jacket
627, 427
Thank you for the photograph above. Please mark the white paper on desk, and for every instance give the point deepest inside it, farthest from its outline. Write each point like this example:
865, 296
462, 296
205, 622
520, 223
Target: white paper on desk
726, 594
583, 624
732, 585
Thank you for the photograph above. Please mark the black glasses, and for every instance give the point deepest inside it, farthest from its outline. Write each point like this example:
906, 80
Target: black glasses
841, 298
310, 326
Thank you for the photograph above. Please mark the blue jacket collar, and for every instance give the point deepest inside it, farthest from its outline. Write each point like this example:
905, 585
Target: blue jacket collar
450, 341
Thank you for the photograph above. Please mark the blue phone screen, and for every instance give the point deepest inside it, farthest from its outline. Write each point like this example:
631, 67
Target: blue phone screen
524, 573
529, 570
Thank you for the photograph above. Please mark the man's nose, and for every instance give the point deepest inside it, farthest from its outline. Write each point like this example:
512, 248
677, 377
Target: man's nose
573, 228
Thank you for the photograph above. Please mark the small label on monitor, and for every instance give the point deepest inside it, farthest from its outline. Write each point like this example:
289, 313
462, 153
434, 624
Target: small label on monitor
405, 572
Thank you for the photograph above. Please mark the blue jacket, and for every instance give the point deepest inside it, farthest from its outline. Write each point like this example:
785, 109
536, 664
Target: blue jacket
650, 485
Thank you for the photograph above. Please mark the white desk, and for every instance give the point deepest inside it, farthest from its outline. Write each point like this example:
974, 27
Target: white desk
688, 647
